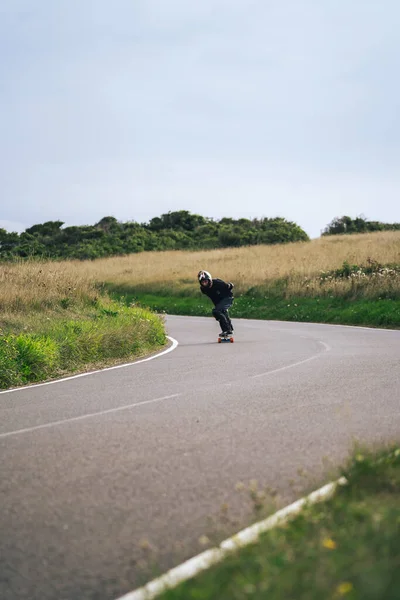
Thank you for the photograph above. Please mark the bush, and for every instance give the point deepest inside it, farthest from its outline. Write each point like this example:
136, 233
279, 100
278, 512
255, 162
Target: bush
178, 230
37, 356
106, 331
9, 372
347, 225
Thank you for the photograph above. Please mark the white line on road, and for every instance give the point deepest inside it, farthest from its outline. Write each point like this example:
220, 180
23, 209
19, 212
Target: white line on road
205, 560
256, 323
335, 325
327, 348
86, 416
136, 362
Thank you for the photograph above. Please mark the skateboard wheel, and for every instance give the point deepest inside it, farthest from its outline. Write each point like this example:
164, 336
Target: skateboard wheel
231, 340
219, 340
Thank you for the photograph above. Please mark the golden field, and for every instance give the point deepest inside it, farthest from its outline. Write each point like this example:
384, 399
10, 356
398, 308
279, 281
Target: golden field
44, 284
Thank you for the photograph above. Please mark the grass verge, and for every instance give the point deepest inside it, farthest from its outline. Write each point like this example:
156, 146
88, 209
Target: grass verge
347, 547
252, 305
49, 343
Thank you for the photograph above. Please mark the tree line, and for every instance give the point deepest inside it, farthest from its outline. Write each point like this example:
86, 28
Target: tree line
179, 230
346, 225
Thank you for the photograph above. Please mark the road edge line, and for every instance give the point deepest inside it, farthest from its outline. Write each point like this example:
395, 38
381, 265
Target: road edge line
207, 559
174, 345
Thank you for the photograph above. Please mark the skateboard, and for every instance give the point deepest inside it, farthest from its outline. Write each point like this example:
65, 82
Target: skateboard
226, 338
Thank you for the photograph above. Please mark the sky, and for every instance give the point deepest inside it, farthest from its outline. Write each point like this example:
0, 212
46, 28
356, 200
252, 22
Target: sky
239, 108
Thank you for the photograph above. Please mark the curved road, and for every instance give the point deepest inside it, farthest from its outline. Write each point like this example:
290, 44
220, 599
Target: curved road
95, 469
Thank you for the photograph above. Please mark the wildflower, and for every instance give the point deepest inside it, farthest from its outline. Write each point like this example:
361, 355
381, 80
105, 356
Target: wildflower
329, 544
344, 588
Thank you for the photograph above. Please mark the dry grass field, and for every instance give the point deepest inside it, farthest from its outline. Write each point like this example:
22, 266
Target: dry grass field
37, 286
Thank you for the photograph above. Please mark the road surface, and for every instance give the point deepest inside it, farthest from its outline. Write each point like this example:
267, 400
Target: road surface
104, 475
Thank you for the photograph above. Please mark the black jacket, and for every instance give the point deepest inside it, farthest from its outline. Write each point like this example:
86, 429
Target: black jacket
218, 291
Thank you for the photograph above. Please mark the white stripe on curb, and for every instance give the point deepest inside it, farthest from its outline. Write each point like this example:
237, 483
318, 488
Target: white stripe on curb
136, 362
203, 561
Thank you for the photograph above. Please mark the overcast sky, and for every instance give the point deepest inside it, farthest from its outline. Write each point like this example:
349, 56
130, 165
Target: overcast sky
238, 108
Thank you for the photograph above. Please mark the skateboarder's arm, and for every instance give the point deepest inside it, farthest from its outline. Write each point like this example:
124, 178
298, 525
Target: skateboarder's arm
227, 285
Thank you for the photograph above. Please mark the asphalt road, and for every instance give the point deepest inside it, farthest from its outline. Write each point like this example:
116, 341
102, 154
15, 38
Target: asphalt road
104, 475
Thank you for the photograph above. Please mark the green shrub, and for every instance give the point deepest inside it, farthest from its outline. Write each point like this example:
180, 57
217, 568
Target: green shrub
78, 341
9, 373
371, 270
37, 356
64, 344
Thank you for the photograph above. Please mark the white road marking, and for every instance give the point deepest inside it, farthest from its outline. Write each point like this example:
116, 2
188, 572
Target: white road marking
203, 561
136, 362
256, 323
86, 416
327, 348
304, 323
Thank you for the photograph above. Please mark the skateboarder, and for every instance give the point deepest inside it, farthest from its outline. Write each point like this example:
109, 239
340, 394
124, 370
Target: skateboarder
221, 295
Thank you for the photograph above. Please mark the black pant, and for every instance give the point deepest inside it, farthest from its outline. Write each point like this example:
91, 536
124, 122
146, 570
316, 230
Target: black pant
220, 312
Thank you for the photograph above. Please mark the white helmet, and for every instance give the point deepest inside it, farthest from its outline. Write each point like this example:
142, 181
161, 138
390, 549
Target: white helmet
204, 275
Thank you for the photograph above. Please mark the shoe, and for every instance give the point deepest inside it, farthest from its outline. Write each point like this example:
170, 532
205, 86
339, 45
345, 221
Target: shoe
223, 334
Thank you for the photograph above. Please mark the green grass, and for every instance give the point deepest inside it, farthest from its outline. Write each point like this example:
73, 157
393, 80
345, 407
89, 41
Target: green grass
252, 305
347, 547
50, 344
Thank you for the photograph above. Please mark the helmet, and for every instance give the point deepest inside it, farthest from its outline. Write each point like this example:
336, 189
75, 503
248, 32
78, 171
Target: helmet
204, 275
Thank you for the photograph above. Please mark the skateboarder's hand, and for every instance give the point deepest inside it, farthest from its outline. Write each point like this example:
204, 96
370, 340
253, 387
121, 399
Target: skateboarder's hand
230, 285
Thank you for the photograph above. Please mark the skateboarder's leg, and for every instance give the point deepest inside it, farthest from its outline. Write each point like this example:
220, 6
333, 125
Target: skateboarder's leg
220, 312
220, 317
226, 304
